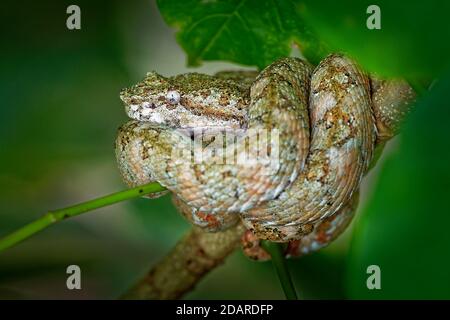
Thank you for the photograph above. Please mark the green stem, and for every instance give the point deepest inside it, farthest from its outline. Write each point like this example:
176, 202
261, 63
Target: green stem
418, 86
279, 262
52, 217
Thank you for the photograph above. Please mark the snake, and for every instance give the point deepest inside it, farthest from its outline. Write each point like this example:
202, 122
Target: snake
286, 148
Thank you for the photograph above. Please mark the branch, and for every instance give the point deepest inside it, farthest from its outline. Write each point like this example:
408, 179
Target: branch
196, 254
52, 217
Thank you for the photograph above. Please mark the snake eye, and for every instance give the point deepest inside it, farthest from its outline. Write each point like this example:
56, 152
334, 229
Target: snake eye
173, 97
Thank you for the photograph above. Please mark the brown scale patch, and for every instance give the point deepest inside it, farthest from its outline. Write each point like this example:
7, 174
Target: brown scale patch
334, 114
195, 108
134, 101
251, 246
326, 171
311, 175
242, 104
305, 229
267, 233
145, 151
322, 236
338, 133
331, 84
124, 139
293, 248
210, 219
198, 173
199, 109
224, 100
226, 174
315, 162
205, 93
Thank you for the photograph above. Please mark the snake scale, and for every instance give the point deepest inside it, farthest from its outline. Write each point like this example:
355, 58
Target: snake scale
290, 145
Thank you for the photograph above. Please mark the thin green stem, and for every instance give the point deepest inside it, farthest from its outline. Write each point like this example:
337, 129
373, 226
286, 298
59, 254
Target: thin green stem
418, 86
52, 217
279, 262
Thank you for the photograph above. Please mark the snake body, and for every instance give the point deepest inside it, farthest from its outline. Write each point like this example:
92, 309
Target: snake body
325, 122
343, 135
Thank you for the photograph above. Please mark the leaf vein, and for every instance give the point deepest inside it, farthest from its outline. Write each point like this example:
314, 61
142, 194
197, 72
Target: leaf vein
211, 16
220, 29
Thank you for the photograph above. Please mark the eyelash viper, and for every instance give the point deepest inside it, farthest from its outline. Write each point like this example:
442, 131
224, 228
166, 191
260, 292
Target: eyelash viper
328, 121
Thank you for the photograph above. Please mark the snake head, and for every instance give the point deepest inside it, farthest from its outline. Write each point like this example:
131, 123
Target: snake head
144, 100
186, 101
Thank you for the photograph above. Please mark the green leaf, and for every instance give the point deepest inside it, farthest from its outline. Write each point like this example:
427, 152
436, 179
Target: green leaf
413, 41
248, 32
404, 228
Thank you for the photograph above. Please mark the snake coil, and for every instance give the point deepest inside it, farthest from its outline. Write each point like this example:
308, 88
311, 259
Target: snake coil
326, 121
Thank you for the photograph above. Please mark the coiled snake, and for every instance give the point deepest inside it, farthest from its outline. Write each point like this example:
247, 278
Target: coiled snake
290, 147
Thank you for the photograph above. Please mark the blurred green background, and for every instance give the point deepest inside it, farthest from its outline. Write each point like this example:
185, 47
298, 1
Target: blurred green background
58, 119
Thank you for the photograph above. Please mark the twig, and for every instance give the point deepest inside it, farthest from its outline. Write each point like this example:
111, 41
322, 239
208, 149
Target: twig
279, 263
52, 217
196, 254
418, 86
